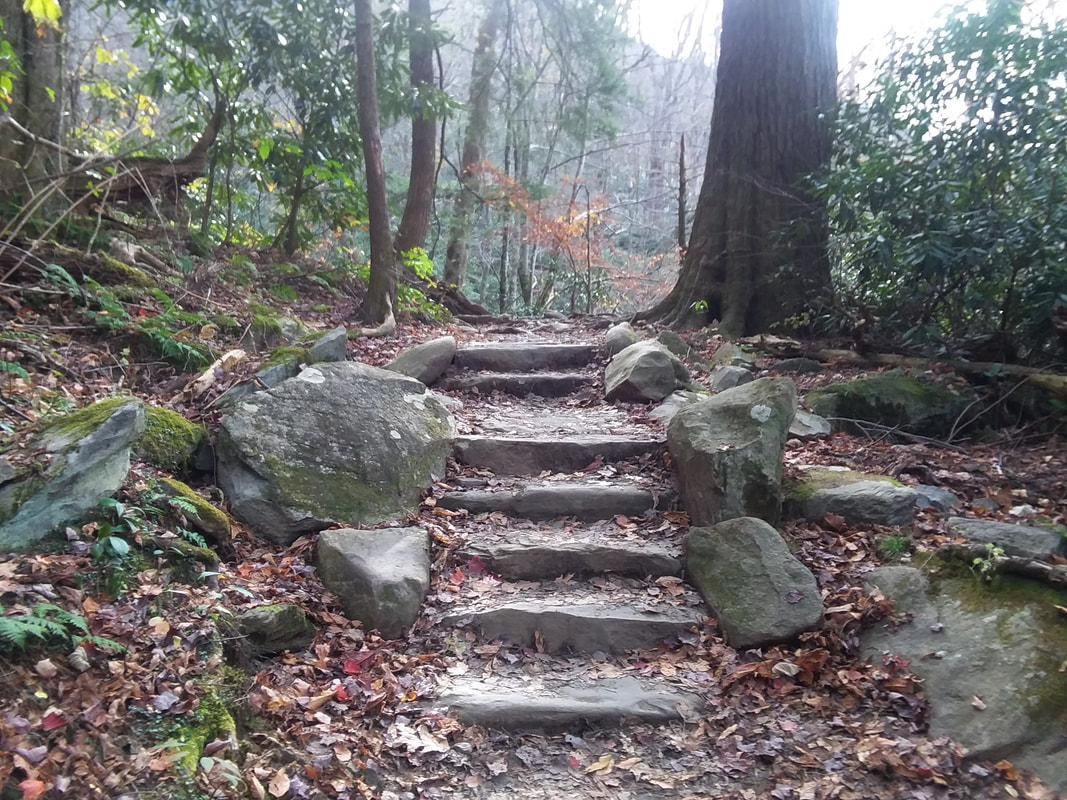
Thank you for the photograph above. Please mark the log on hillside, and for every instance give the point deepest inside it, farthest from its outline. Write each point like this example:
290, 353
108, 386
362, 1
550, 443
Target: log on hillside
147, 179
1051, 382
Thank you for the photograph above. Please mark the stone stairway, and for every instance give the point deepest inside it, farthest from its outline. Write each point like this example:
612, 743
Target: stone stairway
562, 577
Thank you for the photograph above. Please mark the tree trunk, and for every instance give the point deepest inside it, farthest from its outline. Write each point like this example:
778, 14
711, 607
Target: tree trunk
473, 147
381, 293
37, 98
416, 219
758, 248
681, 195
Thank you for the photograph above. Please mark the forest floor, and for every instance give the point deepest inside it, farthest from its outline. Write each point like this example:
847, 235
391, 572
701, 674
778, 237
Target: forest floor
341, 719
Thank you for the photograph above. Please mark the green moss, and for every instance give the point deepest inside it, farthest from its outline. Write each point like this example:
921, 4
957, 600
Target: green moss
213, 521
728, 354
211, 721
122, 273
169, 440
226, 322
75, 425
1004, 598
288, 355
893, 399
321, 309
813, 480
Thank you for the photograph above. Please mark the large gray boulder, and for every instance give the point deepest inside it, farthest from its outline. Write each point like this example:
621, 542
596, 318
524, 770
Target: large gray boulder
728, 448
893, 399
331, 346
644, 372
989, 657
758, 591
619, 337
1020, 541
381, 575
339, 443
425, 362
88, 457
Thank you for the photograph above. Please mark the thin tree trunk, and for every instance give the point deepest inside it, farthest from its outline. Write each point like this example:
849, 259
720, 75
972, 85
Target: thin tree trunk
416, 219
291, 219
37, 100
381, 293
681, 195
455, 272
758, 249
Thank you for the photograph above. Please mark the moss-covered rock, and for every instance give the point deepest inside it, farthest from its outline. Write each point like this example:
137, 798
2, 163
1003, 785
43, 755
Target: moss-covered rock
731, 355
893, 399
275, 628
341, 442
169, 441
86, 456
211, 721
288, 355
206, 519
1003, 643
814, 479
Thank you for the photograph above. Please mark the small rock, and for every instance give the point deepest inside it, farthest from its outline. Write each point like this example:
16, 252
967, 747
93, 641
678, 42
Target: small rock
806, 425
425, 362
806, 366
934, 497
665, 411
1022, 541
381, 575
875, 502
723, 378
985, 505
644, 372
275, 628
331, 346
619, 337
675, 343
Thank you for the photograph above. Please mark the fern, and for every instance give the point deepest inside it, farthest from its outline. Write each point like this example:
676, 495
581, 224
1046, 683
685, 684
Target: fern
184, 505
192, 537
11, 368
48, 622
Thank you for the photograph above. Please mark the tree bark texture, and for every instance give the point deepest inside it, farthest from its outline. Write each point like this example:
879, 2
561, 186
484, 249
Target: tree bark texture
758, 248
416, 219
381, 294
455, 272
25, 165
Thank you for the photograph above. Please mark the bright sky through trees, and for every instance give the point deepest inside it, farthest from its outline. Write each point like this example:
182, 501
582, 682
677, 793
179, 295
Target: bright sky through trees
862, 24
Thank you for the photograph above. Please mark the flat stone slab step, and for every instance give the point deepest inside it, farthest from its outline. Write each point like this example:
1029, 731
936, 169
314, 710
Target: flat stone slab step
514, 703
560, 622
532, 558
519, 384
507, 455
585, 501
523, 356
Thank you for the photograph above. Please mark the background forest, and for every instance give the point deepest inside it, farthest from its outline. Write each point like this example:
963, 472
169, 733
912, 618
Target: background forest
553, 148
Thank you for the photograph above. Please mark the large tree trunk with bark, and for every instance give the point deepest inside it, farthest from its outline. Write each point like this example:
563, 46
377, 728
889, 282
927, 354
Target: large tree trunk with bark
381, 293
416, 219
37, 97
758, 248
473, 146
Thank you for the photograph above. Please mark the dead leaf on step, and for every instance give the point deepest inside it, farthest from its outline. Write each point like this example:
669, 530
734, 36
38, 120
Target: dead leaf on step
602, 766
977, 703
279, 784
835, 522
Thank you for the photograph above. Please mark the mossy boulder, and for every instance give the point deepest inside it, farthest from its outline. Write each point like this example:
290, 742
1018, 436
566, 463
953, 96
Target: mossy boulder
1003, 643
205, 518
340, 443
731, 355
169, 441
85, 458
727, 451
892, 399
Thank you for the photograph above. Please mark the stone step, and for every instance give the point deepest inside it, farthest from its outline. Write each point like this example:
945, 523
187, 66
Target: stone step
508, 455
532, 558
569, 620
587, 502
539, 704
523, 356
519, 384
